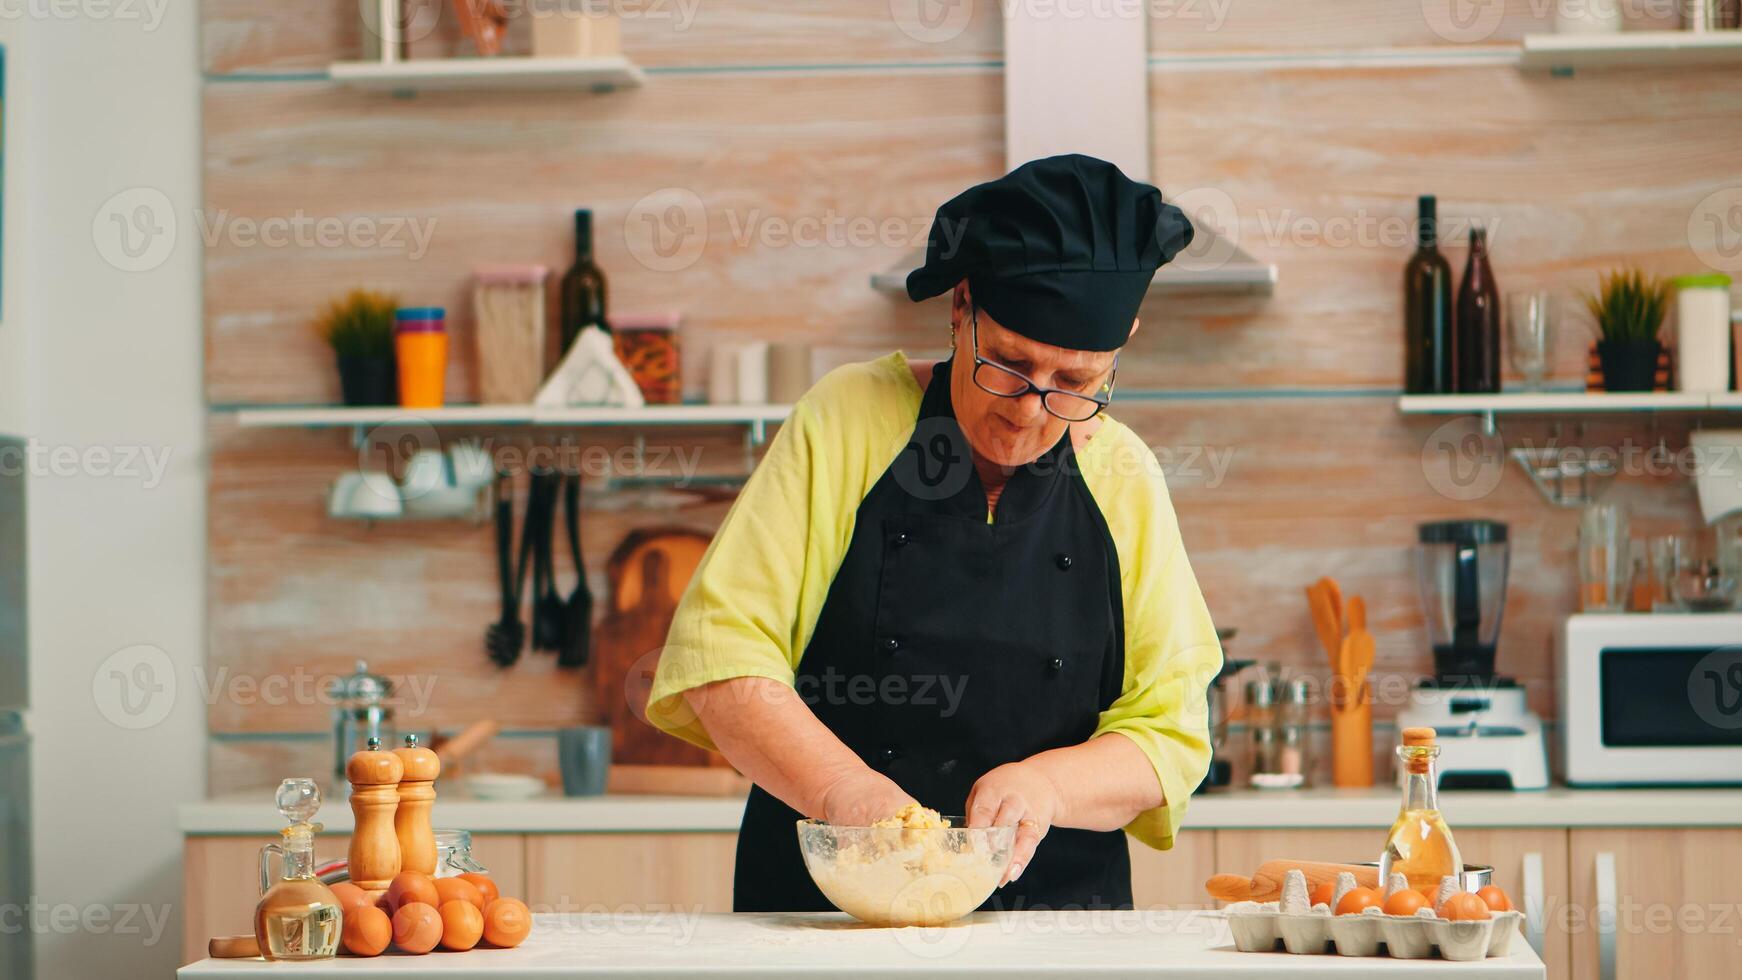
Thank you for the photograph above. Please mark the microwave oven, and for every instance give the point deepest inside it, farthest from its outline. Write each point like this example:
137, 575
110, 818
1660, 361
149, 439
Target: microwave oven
1651, 698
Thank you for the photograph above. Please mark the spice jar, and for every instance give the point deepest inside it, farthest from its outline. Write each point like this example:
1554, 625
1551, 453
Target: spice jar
1294, 728
647, 345
1261, 727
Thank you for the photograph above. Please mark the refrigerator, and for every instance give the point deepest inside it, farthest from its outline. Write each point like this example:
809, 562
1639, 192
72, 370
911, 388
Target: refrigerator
15, 891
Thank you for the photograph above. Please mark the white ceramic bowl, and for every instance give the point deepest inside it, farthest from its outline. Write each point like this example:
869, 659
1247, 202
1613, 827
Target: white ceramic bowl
503, 786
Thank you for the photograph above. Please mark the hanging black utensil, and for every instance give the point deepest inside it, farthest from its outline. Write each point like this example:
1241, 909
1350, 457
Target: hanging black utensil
505, 638
547, 605
578, 620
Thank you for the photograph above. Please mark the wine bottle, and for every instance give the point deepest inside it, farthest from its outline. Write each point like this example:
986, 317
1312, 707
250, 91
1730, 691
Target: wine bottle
583, 286
1477, 338
1427, 309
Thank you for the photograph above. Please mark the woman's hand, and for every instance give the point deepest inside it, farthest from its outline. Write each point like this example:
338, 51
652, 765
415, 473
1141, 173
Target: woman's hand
860, 797
1019, 794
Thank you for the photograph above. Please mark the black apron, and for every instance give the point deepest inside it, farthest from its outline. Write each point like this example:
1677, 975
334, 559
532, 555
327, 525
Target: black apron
948, 646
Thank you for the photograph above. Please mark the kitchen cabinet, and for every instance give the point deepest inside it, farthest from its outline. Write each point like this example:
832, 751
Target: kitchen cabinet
630, 873
634, 872
1656, 902
1173, 878
1530, 864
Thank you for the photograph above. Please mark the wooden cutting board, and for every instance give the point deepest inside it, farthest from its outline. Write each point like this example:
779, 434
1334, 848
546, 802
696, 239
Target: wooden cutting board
646, 575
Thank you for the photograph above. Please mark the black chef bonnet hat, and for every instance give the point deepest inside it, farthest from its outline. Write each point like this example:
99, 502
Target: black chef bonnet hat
1060, 250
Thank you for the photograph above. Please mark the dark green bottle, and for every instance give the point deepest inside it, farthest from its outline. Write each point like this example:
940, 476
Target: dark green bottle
583, 287
1427, 309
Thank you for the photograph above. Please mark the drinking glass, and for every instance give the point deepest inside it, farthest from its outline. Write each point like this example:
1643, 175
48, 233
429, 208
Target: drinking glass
1604, 551
1666, 558
1529, 325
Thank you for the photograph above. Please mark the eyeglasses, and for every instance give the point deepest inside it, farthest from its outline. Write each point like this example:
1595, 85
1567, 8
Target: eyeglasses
1071, 406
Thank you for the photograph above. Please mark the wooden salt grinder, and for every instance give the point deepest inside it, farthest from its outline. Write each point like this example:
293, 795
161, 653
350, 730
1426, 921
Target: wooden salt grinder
374, 855
417, 846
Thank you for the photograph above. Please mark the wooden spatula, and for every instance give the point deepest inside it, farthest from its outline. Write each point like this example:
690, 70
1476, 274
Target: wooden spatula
1327, 617
1265, 885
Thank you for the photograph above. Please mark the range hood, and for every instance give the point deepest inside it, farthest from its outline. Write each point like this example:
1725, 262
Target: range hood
1081, 85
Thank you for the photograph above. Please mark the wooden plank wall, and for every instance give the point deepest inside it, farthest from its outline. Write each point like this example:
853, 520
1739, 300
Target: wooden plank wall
1305, 130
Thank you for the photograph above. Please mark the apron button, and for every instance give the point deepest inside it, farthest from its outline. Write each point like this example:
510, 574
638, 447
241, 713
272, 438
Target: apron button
889, 755
1063, 562
1056, 664
900, 538
891, 644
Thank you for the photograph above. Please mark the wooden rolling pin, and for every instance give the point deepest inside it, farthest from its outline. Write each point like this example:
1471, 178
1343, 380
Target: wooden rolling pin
1265, 885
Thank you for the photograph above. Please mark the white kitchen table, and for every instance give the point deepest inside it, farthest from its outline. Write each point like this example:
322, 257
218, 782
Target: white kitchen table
688, 946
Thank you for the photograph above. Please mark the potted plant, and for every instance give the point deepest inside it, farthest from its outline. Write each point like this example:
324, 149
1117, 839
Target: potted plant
1629, 309
359, 328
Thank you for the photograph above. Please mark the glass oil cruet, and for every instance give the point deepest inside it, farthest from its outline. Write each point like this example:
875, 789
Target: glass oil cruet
298, 917
1420, 845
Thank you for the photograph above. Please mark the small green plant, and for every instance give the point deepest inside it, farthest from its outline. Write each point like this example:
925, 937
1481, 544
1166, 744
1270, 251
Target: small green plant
1629, 307
360, 325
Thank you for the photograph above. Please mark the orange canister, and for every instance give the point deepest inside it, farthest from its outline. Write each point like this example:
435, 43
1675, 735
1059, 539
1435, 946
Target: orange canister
420, 344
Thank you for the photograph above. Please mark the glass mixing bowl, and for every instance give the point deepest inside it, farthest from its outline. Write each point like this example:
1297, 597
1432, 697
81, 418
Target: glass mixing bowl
894, 876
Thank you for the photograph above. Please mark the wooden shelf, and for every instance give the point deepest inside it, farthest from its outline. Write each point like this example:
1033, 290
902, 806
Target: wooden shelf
322, 417
439, 74
1568, 403
1553, 52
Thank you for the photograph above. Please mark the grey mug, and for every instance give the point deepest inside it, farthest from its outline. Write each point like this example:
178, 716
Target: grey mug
584, 756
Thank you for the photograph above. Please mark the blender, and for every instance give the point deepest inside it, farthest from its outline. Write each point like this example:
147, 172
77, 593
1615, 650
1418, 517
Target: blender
1488, 737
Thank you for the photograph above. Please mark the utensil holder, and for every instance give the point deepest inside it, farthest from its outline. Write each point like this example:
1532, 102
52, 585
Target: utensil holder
1352, 736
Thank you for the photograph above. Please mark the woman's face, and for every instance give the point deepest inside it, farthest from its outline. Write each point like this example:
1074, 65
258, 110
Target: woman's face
1014, 431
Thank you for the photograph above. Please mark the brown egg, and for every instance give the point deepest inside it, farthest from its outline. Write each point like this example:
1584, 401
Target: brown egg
410, 886
1356, 899
458, 890
350, 897
1406, 901
506, 922
1465, 905
367, 930
485, 886
1494, 898
417, 927
462, 925
1323, 894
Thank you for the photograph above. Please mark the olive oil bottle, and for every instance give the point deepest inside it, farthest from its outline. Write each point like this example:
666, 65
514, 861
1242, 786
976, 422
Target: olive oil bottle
1420, 845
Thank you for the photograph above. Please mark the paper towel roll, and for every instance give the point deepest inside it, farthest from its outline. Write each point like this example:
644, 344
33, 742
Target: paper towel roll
723, 374
789, 372
753, 373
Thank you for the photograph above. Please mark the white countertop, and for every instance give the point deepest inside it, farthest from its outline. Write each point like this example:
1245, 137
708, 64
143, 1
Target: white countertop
1560, 807
1009, 945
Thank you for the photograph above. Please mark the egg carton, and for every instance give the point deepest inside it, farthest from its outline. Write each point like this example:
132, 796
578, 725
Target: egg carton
1406, 937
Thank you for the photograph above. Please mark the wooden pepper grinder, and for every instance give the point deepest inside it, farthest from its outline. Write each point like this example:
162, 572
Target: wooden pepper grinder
417, 846
374, 854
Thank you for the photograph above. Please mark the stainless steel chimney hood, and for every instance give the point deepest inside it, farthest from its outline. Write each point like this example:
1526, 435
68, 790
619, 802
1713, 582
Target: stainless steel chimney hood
1080, 84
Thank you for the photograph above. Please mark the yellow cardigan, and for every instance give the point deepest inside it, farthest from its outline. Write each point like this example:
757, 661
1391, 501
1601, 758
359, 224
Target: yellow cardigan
751, 607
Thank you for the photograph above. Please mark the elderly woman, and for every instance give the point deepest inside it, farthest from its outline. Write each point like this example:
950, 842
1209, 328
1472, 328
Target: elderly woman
961, 583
